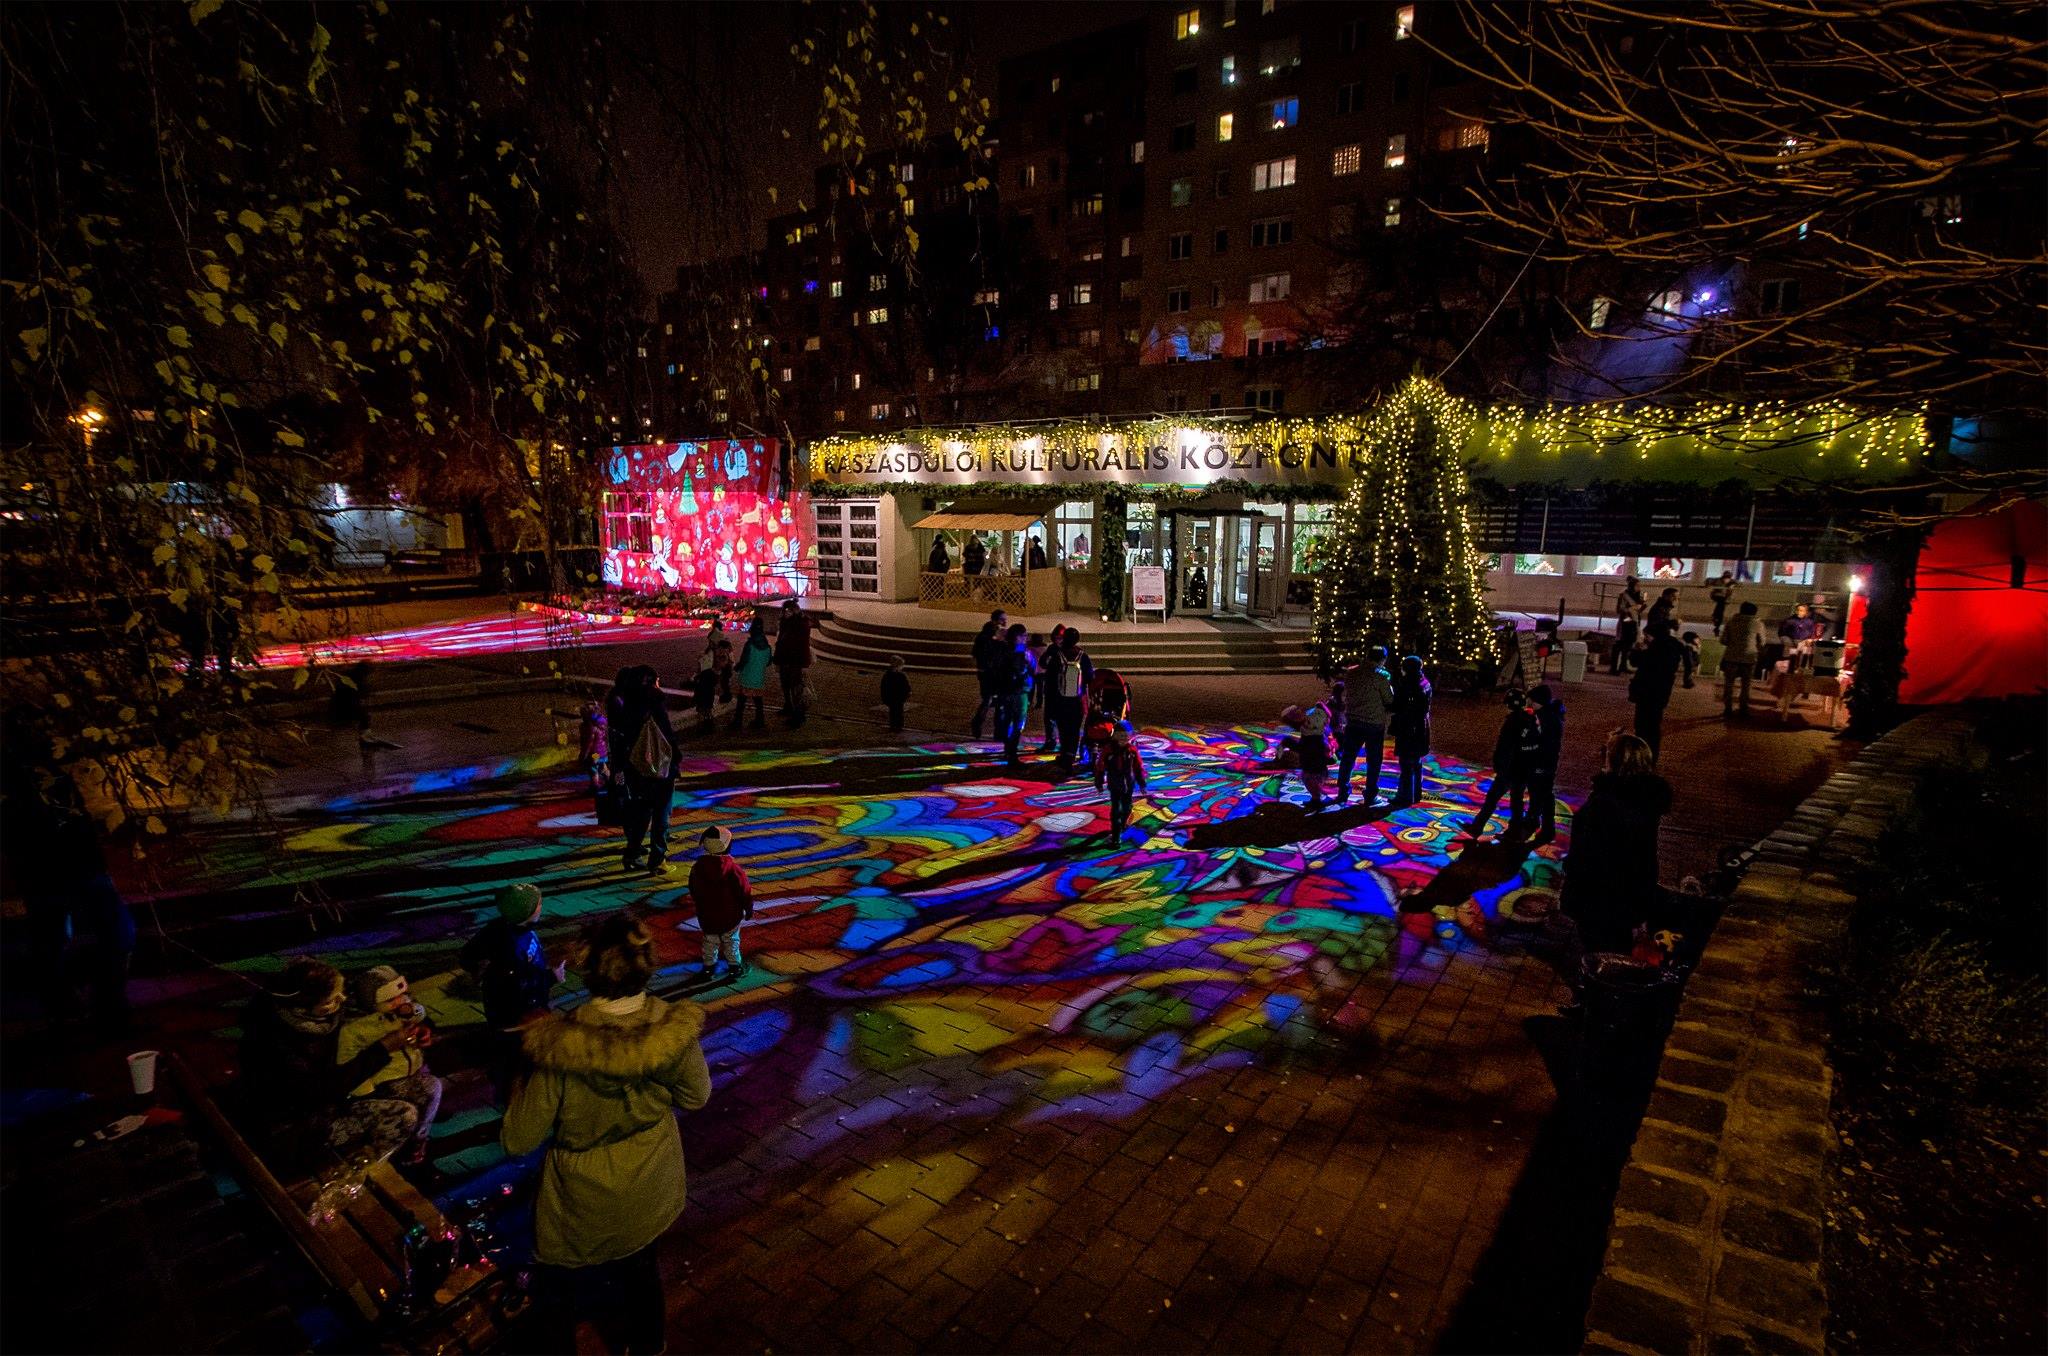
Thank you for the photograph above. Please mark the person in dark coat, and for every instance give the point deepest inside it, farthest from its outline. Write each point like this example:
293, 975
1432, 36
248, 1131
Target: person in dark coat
507, 962
1509, 777
1066, 694
938, 562
793, 661
1658, 665
1540, 761
649, 791
1019, 668
295, 1093
973, 556
989, 662
1628, 619
1042, 686
1034, 556
895, 692
1409, 724
722, 898
1610, 873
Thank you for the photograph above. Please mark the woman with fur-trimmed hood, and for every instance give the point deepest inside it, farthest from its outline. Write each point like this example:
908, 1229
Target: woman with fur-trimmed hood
607, 1079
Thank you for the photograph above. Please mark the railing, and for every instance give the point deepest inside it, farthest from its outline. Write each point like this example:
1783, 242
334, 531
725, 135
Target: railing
797, 579
1033, 593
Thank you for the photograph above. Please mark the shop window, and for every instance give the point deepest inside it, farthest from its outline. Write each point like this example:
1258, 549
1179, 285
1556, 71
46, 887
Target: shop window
1074, 534
1141, 534
1611, 567
1539, 564
1666, 568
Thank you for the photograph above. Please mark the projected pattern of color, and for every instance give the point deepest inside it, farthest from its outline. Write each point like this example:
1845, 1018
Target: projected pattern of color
916, 906
508, 634
708, 517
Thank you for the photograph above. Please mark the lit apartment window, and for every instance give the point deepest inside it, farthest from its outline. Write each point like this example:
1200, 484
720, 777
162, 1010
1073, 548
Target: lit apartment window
1182, 138
878, 315
1124, 246
1272, 231
1273, 174
1087, 381
785, 374
1181, 192
1668, 303
988, 296
877, 281
839, 416
1178, 299
1262, 397
837, 288
1137, 153
1392, 216
1404, 22
1188, 22
1230, 70
1081, 293
1027, 177
810, 343
879, 410
1055, 84
1090, 206
1052, 301
1180, 245
1131, 335
668, 329
910, 207
1225, 122
1088, 339
1271, 287
1091, 252
907, 173
1283, 113
1397, 151
1346, 160
1229, 12
856, 381
1597, 318
1268, 6
1464, 136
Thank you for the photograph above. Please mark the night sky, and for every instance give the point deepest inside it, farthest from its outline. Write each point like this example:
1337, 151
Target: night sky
678, 211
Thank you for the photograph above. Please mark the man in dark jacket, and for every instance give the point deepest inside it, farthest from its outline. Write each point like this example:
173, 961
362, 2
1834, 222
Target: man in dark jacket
792, 661
650, 784
1066, 690
1019, 668
1657, 667
989, 664
1540, 761
974, 556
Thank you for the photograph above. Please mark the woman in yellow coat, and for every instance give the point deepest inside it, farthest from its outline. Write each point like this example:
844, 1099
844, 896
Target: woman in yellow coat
602, 1094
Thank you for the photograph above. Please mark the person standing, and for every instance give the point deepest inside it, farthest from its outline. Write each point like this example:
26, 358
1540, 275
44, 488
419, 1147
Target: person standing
1722, 592
938, 562
989, 661
723, 899
1042, 688
1541, 762
1659, 665
1034, 556
974, 557
507, 962
607, 1080
1409, 724
1071, 670
1122, 769
1628, 616
895, 692
1368, 703
793, 663
1665, 609
1509, 769
750, 675
1610, 873
648, 743
1013, 700
1312, 749
1742, 645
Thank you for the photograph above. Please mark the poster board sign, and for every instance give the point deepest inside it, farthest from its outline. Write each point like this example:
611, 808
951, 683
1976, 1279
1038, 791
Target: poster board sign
1148, 589
1529, 656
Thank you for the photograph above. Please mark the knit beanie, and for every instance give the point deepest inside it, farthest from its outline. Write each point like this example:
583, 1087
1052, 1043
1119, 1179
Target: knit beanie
377, 986
518, 903
716, 839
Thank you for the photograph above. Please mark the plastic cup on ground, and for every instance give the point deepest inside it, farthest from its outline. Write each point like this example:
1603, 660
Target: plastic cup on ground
142, 1072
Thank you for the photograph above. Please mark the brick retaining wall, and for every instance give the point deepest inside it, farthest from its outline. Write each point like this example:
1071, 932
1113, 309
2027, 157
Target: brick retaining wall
1716, 1240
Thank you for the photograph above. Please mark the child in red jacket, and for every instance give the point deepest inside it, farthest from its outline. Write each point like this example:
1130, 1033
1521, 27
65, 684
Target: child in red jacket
719, 889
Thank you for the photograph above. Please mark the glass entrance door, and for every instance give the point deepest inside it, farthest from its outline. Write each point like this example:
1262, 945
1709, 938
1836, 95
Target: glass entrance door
1200, 577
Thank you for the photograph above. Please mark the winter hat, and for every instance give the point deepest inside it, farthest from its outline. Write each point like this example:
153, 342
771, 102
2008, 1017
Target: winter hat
377, 986
716, 840
518, 903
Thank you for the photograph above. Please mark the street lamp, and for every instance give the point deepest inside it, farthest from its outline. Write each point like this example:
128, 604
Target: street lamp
89, 420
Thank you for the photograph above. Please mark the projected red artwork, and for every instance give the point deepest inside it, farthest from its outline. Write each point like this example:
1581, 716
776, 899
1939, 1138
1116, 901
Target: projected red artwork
705, 517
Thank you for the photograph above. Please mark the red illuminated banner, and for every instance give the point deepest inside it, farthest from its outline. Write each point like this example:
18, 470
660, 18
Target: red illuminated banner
705, 517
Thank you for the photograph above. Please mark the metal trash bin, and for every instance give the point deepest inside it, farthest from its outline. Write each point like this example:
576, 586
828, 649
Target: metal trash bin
1574, 661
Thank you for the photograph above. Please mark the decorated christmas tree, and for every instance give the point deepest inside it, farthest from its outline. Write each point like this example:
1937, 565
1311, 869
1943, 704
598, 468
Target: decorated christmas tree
1399, 566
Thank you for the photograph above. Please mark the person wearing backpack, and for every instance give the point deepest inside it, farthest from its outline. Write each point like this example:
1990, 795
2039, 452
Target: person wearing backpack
1067, 694
650, 745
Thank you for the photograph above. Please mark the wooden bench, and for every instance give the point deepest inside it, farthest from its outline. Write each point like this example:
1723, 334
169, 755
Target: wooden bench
360, 1252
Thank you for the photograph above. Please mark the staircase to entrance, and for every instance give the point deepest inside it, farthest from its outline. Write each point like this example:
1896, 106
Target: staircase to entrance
1187, 647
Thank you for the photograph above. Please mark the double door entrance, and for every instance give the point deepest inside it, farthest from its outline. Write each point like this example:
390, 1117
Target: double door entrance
1229, 564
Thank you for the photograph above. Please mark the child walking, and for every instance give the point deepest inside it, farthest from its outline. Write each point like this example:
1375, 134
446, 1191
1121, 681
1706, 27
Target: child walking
507, 962
1123, 769
895, 692
723, 900
1315, 752
386, 1007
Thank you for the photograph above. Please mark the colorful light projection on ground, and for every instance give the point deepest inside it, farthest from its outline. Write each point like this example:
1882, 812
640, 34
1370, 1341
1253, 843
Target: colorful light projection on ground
916, 909
513, 633
710, 517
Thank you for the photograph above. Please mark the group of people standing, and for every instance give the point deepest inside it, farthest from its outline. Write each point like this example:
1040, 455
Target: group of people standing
1018, 673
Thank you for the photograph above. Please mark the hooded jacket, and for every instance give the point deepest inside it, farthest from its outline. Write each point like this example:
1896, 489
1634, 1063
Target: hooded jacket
602, 1096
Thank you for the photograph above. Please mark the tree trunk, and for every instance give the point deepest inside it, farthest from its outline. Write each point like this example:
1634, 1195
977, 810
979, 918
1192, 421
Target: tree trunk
1892, 556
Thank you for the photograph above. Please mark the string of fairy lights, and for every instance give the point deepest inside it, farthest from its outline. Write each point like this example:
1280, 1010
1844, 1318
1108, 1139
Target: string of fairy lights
1712, 441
